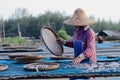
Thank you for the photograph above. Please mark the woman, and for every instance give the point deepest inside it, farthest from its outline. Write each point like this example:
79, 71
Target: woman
84, 38
100, 39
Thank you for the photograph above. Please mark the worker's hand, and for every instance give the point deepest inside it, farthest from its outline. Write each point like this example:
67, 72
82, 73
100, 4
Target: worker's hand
60, 40
77, 60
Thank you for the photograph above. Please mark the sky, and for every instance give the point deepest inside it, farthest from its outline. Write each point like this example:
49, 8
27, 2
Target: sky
106, 9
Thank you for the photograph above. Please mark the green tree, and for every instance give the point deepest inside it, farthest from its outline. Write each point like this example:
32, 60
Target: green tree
63, 34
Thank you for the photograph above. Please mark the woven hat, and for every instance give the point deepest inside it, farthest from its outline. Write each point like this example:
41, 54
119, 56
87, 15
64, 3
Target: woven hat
79, 18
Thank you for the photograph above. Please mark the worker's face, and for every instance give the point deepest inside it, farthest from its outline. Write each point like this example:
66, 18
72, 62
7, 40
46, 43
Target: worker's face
81, 26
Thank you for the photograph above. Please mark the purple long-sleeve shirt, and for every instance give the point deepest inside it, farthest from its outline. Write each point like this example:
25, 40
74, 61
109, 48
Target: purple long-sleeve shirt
89, 42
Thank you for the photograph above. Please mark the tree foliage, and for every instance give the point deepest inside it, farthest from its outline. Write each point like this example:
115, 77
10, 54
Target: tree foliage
14, 40
30, 25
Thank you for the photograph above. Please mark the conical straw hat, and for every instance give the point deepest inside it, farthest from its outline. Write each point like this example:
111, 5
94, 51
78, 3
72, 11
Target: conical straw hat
79, 18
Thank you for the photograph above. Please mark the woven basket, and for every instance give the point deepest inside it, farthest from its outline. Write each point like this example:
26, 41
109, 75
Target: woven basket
41, 66
65, 57
50, 40
21, 47
28, 59
24, 62
13, 56
112, 56
3, 67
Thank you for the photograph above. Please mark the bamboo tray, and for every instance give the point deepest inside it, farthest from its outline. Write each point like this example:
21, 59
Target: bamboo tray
3, 67
65, 57
41, 66
50, 40
13, 56
28, 59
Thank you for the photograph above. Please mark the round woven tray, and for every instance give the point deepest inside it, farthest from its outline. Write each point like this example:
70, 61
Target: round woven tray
50, 40
3, 67
13, 56
112, 56
28, 59
21, 47
41, 66
69, 57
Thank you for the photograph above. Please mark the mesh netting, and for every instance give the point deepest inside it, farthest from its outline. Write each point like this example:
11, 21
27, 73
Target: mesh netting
65, 68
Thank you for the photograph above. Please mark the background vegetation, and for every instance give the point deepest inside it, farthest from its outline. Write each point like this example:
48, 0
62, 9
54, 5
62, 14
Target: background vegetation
15, 40
30, 25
